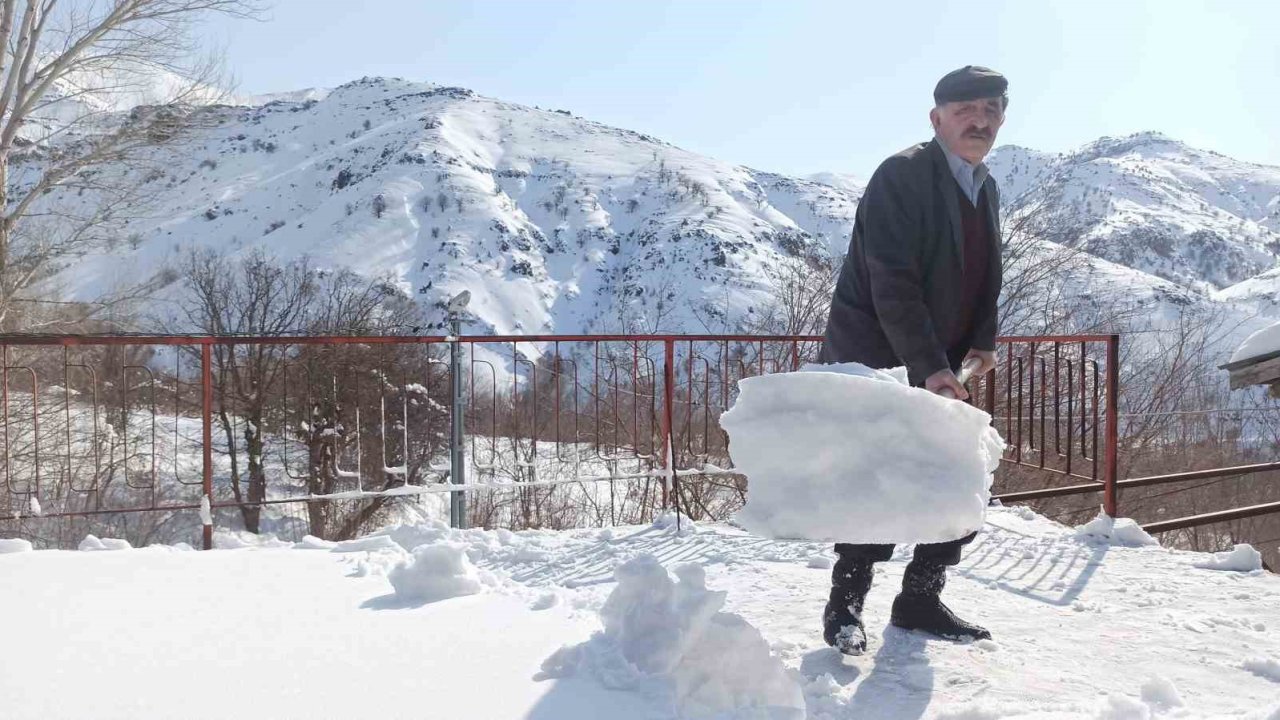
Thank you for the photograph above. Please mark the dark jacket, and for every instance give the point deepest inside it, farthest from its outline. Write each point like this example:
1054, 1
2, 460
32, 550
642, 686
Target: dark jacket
896, 299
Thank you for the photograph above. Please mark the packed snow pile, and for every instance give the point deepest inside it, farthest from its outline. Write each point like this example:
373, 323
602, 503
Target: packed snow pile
671, 641
1263, 667
93, 542
1115, 531
1242, 558
1262, 342
850, 454
436, 572
14, 545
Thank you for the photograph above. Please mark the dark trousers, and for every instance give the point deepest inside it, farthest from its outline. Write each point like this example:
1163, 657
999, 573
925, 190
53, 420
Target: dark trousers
944, 553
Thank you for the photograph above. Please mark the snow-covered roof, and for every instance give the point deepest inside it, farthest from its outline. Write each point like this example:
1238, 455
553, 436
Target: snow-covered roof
1260, 345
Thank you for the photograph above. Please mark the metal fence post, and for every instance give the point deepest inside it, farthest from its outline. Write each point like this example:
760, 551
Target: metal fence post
206, 433
1110, 499
668, 445
457, 456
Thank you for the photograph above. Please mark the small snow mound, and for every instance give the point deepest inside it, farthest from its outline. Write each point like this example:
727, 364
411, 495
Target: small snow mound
1160, 692
311, 542
670, 639
982, 710
821, 562
918, 468
1242, 558
668, 521
1263, 667
237, 539
1272, 714
545, 601
1123, 532
1023, 512
93, 542
367, 543
1120, 707
435, 572
14, 545
410, 536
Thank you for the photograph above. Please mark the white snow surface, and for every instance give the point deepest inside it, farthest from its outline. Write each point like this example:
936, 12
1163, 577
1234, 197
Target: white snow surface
1262, 342
846, 453
1081, 629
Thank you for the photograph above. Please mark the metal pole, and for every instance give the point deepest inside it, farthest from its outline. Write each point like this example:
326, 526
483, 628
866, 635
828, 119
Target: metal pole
457, 458
206, 431
1110, 500
670, 478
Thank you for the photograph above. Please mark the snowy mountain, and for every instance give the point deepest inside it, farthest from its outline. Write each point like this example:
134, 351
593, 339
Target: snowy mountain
1148, 202
554, 222
560, 224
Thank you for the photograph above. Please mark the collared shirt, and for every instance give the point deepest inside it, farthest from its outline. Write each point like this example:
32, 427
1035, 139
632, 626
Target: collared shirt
968, 176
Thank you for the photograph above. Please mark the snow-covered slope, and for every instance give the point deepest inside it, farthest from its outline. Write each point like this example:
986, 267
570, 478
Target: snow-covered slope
554, 222
1082, 629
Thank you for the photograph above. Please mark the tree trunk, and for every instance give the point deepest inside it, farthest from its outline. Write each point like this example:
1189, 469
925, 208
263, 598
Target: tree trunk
257, 473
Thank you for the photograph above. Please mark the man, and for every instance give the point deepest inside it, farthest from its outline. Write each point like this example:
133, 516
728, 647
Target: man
919, 288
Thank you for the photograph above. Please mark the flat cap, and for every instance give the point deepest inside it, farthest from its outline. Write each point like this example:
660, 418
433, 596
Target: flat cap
970, 83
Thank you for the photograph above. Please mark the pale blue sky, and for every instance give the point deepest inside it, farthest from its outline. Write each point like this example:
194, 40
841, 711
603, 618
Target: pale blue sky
803, 86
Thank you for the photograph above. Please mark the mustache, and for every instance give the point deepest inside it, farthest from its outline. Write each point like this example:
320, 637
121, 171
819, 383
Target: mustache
985, 134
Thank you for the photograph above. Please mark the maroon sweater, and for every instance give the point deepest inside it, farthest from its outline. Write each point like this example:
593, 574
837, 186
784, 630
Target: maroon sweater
977, 250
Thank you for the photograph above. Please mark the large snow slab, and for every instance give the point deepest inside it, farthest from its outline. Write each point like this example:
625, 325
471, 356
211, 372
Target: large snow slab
849, 454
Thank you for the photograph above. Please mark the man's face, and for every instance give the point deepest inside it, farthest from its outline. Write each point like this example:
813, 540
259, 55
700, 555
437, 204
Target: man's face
969, 127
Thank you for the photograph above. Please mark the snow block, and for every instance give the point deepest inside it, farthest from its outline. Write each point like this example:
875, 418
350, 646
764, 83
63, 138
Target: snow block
845, 453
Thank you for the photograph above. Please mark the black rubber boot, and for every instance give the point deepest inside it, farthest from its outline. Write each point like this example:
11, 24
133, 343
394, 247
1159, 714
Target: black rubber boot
919, 607
842, 619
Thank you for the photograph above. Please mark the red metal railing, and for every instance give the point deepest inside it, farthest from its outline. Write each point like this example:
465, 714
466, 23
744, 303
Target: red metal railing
594, 399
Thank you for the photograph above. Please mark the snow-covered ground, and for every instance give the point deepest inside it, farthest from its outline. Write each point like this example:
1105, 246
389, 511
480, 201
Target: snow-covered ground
1082, 628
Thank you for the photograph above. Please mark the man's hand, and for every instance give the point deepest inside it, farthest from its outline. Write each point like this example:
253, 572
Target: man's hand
988, 358
945, 380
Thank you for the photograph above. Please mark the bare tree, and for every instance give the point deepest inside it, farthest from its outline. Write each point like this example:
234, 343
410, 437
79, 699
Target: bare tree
67, 70
260, 296
255, 296
799, 298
